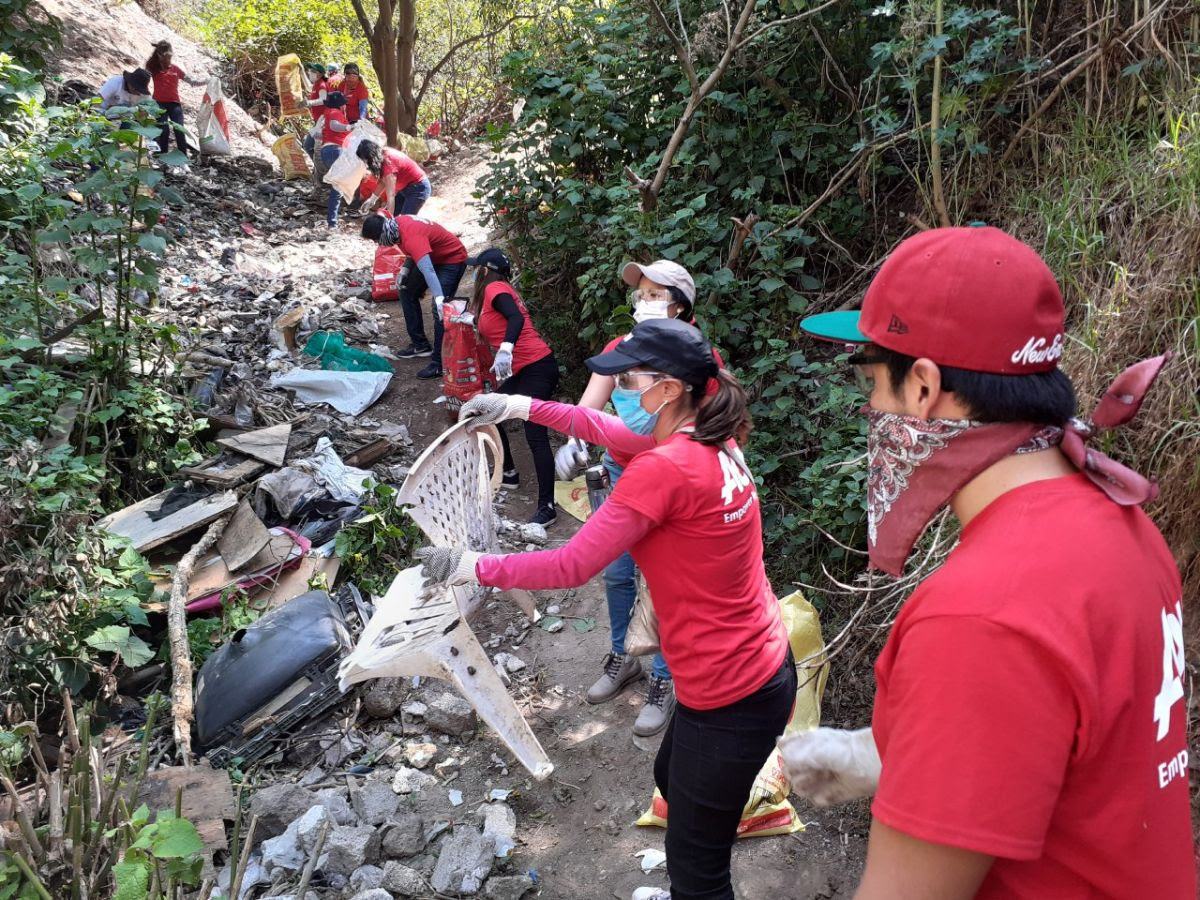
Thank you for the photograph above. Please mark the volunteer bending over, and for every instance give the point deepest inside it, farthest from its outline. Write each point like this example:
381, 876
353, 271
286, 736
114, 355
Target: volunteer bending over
687, 510
403, 185
436, 260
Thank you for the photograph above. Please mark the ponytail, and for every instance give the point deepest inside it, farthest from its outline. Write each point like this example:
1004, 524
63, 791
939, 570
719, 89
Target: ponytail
724, 415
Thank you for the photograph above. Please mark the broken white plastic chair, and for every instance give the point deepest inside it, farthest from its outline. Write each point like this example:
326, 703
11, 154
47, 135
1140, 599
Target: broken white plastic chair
418, 631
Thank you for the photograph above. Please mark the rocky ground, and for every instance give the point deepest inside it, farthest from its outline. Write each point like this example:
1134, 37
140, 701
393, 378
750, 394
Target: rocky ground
415, 798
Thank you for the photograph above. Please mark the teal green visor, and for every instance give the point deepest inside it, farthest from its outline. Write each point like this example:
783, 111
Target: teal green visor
839, 327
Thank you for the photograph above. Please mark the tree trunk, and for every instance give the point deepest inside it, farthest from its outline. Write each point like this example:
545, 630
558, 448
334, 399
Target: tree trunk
406, 42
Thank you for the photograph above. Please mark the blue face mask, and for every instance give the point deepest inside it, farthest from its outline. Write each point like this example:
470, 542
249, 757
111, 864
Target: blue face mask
628, 404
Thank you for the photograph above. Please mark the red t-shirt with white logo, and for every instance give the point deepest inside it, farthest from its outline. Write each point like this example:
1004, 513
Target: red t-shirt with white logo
166, 84
621, 459
403, 166
353, 95
529, 346
719, 620
1030, 701
420, 236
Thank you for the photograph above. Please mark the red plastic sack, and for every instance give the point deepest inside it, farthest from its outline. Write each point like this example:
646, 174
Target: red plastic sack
388, 262
466, 359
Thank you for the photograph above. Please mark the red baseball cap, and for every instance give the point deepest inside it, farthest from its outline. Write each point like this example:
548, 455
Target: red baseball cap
972, 298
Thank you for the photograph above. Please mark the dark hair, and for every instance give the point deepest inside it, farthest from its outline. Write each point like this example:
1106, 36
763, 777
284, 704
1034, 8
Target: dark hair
351, 69
1042, 398
372, 154
483, 278
154, 64
335, 100
679, 298
724, 415
372, 227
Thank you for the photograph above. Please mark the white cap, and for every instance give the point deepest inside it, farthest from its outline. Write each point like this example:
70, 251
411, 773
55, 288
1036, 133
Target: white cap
661, 271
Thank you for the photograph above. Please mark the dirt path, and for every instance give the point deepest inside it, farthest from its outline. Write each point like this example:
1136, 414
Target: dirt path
577, 828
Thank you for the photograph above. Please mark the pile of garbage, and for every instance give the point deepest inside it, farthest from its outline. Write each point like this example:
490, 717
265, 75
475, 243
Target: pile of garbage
417, 815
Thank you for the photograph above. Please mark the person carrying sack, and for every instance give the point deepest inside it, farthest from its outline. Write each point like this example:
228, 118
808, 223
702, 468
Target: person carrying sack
524, 364
688, 510
1029, 736
334, 133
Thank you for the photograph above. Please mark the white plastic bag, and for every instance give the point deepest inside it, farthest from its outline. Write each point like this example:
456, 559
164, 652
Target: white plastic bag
347, 392
348, 170
212, 122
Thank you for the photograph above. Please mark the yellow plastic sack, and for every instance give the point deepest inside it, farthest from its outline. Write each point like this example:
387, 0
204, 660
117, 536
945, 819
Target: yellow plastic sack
572, 496
768, 810
293, 161
414, 146
289, 82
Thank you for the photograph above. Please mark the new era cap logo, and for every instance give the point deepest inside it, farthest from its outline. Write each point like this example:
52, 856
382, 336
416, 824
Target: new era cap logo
897, 326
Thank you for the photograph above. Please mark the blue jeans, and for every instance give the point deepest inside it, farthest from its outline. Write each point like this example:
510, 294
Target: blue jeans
310, 146
620, 586
329, 155
412, 289
410, 200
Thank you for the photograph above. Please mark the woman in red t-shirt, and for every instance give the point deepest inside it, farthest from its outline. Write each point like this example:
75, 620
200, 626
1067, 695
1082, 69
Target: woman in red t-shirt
166, 77
334, 131
403, 185
687, 509
524, 365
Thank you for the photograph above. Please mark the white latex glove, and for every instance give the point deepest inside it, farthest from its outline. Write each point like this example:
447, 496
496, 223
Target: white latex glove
502, 367
438, 302
488, 409
370, 203
570, 458
447, 565
831, 765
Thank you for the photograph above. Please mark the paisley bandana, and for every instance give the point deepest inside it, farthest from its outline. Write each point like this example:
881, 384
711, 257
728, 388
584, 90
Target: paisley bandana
916, 465
390, 232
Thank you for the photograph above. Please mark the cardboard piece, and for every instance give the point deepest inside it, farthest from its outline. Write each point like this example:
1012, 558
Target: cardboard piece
243, 538
268, 444
226, 469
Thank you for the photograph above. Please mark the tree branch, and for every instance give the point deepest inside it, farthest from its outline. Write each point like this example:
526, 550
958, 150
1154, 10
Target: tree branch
685, 58
786, 21
363, 20
483, 36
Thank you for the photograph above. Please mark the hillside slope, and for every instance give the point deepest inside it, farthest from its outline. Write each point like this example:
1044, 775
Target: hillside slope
101, 38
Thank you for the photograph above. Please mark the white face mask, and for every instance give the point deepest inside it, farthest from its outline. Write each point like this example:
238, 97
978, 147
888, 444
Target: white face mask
651, 309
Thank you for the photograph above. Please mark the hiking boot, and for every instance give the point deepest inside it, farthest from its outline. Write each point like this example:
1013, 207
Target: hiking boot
651, 893
545, 515
433, 370
412, 350
511, 479
660, 703
619, 670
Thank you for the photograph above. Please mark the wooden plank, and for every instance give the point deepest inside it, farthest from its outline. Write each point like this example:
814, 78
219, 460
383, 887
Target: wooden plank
243, 538
267, 444
225, 469
134, 523
207, 801
371, 453
212, 576
293, 583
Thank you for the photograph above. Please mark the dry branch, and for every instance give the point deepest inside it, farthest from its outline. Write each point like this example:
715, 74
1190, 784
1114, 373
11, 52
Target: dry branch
181, 655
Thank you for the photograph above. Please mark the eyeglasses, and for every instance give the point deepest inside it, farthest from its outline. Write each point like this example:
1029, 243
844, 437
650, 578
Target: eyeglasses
864, 381
658, 295
628, 381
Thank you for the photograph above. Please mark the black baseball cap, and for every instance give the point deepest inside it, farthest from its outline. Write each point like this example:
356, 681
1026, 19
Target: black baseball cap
671, 346
492, 259
335, 100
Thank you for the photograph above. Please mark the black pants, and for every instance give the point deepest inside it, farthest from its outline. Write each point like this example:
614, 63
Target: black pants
413, 289
705, 768
171, 119
538, 379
